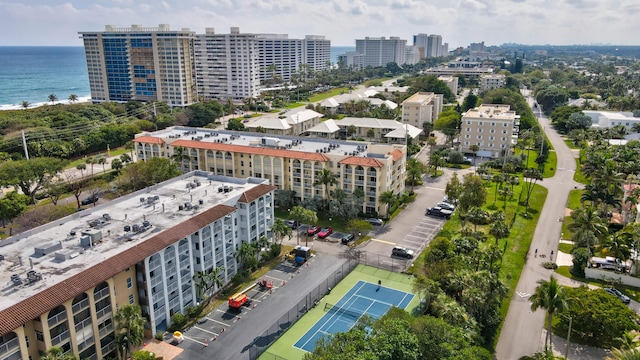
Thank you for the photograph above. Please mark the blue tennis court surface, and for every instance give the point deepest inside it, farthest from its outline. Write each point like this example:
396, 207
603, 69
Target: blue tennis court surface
363, 298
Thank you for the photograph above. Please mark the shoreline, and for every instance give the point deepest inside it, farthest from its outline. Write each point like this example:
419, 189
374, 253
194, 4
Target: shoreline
81, 100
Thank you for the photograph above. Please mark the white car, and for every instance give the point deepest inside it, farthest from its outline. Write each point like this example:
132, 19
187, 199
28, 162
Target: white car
446, 206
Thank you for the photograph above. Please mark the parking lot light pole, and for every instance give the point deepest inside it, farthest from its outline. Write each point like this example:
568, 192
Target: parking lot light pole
566, 350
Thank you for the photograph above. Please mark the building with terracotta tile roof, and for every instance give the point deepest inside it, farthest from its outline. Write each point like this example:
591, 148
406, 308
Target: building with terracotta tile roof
288, 162
65, 280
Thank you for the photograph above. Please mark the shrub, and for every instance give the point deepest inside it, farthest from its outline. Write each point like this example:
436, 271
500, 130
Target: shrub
177, 321
550, 265
159, 336
580, 258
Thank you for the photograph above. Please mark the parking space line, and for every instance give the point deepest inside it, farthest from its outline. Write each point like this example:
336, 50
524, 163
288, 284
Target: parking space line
273, 277
421, 226
219, 322
412, 241
205, 330
383, 241
415, 236
194, 340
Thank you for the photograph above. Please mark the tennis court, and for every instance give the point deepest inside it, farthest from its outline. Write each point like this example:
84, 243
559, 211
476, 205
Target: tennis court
363, 298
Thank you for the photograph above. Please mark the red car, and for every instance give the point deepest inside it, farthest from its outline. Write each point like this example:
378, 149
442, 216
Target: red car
325, 232
313, 230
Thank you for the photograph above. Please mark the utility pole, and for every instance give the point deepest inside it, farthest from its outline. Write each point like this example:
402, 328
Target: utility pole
566, 350
24, 146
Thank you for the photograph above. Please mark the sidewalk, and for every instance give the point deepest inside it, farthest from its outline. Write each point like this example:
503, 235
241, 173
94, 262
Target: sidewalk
576, 351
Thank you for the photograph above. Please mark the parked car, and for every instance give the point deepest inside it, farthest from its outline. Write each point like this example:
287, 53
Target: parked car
446, 206
90, 200
439, 212
402, 252
347, 238
313, 230
375, 222
324, 232
624, 298
293, 224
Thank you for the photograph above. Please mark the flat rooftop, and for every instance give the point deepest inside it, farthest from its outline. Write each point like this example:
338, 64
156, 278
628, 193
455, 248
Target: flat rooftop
499, 112
293, 143
68, 246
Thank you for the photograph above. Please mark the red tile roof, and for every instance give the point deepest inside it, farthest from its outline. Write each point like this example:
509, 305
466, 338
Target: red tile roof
254, 150
149, 140
255, 192
396, 154
48, 299
362, 161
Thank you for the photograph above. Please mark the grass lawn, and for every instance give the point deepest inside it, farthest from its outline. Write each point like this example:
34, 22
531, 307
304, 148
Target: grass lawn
328, 94
375, 82
295, 105
516, 246
565, 248
579, 176
574, 199
632, 292
114, 152
549, 167
570, 144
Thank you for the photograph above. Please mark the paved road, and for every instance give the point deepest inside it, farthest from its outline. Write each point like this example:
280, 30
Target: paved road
522, 328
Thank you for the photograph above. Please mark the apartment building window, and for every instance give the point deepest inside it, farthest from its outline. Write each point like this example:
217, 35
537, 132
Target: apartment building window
479, 137
490, 144
504, 131
504, 124
492, 131
26, 339
131, 299
467, 136
493, 124
466, 143
39, 336
491, 138
480, 123
479, 130
468, 122
468, 129
129, 283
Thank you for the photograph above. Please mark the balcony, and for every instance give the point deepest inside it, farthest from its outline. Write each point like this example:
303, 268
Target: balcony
103, 312
85, 344
9, 346
58, 318
371, 183
371, 193
101, 294
60, 338
359, 182
77, 307
84, 323
359, 172
108, 348
108, 329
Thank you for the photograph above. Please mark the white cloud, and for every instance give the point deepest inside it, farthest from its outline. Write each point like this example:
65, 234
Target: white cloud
56, 22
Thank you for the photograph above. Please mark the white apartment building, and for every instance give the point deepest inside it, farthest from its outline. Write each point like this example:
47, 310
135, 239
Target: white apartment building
451, 81
288, 162
420, 41
67, 278
607, 119
434, 46
421, 107
413, 55
381, 51
280, 56
227, 65
141, 63
492, 81
493, 128
351, 59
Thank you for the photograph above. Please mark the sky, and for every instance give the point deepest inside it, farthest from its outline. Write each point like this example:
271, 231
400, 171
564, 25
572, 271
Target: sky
459, 22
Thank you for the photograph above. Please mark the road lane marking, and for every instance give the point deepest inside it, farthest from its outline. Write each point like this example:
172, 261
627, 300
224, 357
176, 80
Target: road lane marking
522, 294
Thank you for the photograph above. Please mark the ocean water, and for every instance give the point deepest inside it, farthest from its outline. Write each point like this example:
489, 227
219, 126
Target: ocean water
31, 73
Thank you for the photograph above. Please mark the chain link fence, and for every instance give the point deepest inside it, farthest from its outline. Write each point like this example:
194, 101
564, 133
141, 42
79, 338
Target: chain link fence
279, 327
380, 261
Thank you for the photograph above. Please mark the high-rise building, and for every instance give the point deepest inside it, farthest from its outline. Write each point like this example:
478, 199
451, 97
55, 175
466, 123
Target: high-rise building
413, 55
381, 51
281, 57
67, 279
141, 63
434, 46
227, 65
351, 59
316, 52
421, 41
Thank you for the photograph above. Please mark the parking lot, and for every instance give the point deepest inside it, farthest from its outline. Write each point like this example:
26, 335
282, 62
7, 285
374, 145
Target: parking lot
228, 333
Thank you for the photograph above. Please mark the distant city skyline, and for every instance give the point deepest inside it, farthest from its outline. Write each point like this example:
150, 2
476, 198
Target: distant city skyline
460, 22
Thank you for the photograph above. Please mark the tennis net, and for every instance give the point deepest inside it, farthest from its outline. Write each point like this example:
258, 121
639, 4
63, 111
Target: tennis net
333, 309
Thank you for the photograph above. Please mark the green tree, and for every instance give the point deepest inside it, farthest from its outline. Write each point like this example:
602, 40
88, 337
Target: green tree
551, 97
358, 226
551, 297
430, 83
473, 194
53, 98
415, 169
73, 98
454, 189
470, 102
206, 282
30, 176
388, 198
435, 162
499, 230
55, 353
12, 204
116, 164
371, 134
235, 124
531, 176
588, 227
327, 179
143, 174
280, 229
129, 328
351, 130
179, 156
144, 355
304, 216
25, 104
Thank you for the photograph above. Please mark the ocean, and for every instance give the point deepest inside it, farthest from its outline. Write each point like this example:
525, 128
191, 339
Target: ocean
31, 73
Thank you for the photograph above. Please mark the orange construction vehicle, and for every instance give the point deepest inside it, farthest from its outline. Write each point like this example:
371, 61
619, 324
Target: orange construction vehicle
237, 300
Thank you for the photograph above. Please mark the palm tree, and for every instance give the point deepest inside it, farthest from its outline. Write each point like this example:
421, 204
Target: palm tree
245, 252
102, 161
370, 134
500, 230
129, 327
414, 171
628, 354
618, 245
180, 154
304, 216
474, 149
263, 242
53, 98
431, 143
205, 282
388, 198
436, 161
55, 353
279, 230
73, 98
549, 295
90, 161
25, 104
588, 227
326, 179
